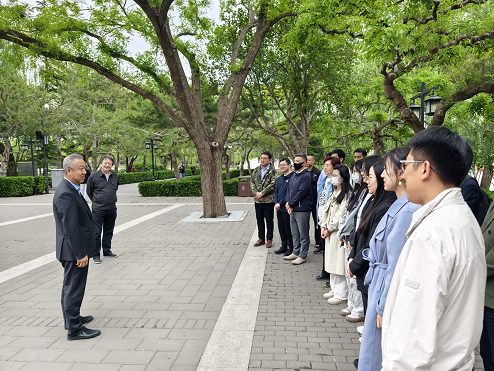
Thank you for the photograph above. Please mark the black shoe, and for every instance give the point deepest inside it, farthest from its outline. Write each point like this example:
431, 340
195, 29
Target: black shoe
318, 250
84, 320
97, 260
288, 252
328, 285
282, 250
85, 333
322, 277
355, 363
110, 255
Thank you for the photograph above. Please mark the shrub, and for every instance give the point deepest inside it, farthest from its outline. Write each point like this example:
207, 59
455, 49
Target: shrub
183, 188
230, 187
41, 183
16, 186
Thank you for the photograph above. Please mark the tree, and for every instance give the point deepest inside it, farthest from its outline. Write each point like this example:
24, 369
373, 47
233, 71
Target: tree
61, 30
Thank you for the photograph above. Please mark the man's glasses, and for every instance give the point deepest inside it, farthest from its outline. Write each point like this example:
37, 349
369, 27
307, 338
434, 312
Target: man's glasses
405, 162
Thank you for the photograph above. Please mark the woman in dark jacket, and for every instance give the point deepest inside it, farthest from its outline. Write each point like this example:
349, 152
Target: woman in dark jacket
375, 210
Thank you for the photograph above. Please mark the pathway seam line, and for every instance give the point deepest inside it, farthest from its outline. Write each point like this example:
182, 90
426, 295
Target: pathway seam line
25, 219
51, 257
230, 344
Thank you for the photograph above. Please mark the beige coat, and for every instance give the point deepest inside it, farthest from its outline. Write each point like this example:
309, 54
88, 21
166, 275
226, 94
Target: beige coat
334, 254
433, 314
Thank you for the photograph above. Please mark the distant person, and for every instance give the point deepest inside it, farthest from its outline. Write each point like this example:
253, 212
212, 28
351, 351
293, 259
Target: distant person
263, 184
193, 169
433, 314
299, 206
133, 169
359, 154
338, 153
74, 246
280, 205
314, 173
181, 170
84, 184
102, 189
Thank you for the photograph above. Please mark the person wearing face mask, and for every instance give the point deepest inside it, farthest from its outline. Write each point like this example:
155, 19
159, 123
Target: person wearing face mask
332, 212
323, 193
384, 250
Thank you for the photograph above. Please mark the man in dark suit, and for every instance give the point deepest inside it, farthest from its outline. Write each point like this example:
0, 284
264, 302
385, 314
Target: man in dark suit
75, 245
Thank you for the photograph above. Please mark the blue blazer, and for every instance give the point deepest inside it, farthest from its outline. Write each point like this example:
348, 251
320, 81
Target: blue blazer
320, 187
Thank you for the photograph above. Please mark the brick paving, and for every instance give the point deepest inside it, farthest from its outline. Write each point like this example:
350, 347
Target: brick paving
158, 302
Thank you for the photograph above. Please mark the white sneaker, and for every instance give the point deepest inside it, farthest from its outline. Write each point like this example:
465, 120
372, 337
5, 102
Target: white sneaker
334, 300
328, 295
291, 257
360, 339
345, 312
298, 261
360, 329
352, 318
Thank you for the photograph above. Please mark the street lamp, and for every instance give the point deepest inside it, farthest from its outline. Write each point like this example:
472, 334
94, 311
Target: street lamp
427, 106
25, 147
150, 145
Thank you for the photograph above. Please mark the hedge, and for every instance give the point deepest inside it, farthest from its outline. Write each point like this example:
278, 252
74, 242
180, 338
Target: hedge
18, 186
137, 177
190, 188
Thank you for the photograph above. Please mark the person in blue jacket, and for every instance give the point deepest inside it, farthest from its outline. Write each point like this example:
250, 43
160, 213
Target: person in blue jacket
279, 204
384, 250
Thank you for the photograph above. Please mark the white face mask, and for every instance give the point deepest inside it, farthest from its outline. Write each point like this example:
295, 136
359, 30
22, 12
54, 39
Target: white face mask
335, 181
356, 178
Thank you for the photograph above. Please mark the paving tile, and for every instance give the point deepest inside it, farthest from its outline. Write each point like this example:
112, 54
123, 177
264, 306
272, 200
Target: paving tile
128, 357
37, 355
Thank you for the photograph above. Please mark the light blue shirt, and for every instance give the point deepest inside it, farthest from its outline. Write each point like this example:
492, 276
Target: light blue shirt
77, 187
107, 176
264, 171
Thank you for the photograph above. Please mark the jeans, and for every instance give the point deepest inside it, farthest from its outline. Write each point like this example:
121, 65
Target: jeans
182, 175
265, 211
487, 339
285, 230
103, 220
299, 223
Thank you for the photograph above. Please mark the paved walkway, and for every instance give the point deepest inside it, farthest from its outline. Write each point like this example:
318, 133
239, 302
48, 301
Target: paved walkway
180, 296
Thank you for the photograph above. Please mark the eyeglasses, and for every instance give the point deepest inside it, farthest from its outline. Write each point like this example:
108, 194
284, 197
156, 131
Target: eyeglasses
405, 162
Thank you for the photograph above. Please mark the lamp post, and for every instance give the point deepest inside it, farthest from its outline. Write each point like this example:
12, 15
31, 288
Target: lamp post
150, 145
44, 140
25, 147
427, 106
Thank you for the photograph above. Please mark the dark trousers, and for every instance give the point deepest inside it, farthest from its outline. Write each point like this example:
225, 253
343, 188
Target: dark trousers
103, 220
73, 288
323, 272
285, 229
317, 229
487, 339
265, 211
365, 299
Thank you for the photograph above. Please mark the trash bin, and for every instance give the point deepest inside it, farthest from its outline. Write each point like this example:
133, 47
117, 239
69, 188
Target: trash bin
56, 177
244, 187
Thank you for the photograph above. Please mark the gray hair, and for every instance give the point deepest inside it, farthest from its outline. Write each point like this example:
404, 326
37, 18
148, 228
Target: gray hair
69, 161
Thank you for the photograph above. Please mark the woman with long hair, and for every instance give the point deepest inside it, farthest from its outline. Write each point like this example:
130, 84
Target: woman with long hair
384, 250
334, 255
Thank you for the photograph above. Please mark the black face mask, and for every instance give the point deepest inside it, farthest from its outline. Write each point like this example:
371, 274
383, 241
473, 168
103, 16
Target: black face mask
298, 166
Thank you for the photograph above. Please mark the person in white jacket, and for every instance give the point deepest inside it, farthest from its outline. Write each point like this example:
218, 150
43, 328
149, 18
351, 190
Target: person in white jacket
433, 314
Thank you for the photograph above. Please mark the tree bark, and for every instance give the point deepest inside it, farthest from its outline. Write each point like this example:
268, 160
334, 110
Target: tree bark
486, 179
118, 160
175, 165
144, 164
5, 158
227, 166
94, 146
59, 151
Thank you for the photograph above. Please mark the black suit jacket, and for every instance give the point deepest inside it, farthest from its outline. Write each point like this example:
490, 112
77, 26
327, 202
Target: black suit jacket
74, 223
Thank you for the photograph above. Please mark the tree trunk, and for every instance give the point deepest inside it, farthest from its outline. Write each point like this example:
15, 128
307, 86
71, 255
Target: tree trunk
95, 154
486, 179
165, 162
227, 166
118, 160
175, 165
248, 162
59, 151
144, 164
187, 162
5, 158
213, 200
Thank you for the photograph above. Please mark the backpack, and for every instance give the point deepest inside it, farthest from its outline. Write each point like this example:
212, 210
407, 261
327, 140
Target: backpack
484, 202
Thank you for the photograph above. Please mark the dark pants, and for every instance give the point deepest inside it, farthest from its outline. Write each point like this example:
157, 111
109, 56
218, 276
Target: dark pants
285, 229
265, 211
365, 299
487, 339
323, 272
103, 220
74, 286
317, 229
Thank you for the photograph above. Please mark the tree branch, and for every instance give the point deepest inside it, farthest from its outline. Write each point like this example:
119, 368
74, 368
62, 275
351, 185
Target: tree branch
437, 3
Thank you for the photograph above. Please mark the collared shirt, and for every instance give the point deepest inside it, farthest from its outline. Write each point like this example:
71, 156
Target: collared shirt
264, 170
77, 187
107, 176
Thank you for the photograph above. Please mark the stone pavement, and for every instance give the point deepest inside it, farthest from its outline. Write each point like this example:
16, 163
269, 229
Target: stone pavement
158, 303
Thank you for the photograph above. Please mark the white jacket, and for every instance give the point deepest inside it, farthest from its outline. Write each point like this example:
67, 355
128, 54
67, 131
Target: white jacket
433, 315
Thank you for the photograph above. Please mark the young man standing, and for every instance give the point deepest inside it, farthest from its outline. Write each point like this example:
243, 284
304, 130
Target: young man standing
181, 170
102, 189
280, 205
263, 183
315, 173
433, 314
359, 154
299, 206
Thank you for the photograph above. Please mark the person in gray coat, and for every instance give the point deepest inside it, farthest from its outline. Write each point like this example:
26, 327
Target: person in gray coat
74, 245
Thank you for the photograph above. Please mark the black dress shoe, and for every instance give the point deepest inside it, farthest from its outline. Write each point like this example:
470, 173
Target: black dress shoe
282, 250
328, 285
322, 277
110, 255
318, 250
85, 333
84, 320
355, 363
288, 252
